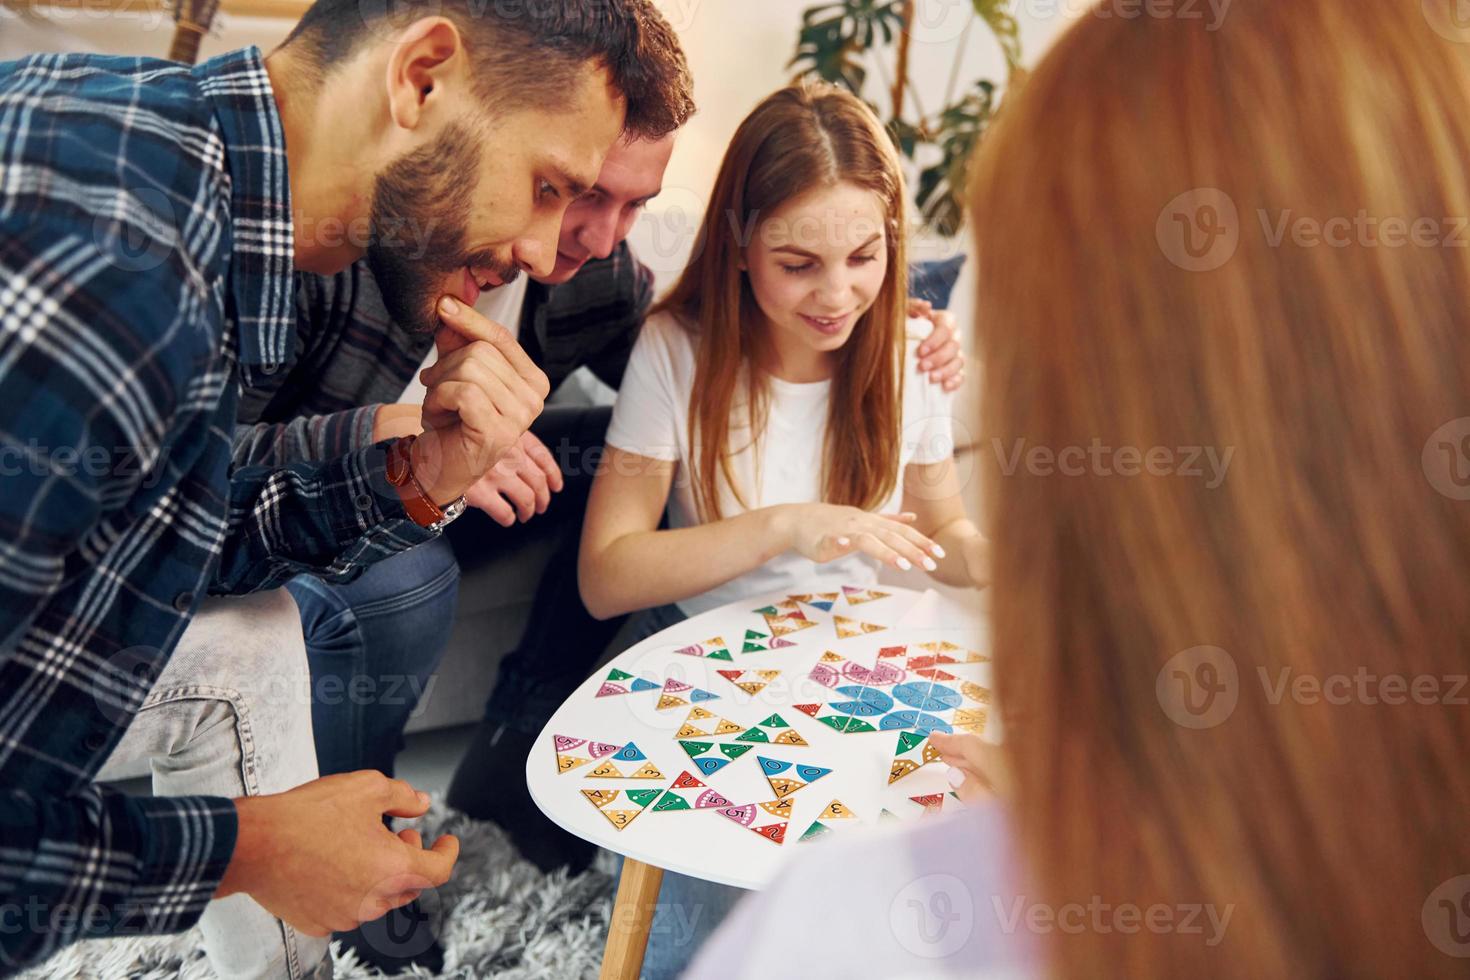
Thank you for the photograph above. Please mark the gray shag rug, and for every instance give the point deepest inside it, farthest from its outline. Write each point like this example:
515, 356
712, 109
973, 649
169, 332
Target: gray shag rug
502, 918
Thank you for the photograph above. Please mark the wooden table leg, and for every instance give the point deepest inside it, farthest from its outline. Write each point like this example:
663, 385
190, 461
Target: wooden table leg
632, 917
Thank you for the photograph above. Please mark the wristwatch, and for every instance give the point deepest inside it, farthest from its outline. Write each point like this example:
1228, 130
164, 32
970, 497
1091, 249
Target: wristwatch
420, 506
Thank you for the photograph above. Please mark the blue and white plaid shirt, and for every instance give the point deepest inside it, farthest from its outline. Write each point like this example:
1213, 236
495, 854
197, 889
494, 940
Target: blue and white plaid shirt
145, 275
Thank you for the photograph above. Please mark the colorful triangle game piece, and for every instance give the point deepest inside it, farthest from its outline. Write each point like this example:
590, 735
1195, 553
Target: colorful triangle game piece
975, 692
971, 720
837, 810
808, 709
932, 803
667, 701
671, 801
710, 799
817, 829
649, 771
687, 780
783, 787
774, 832
621, 818
606, 771
641, 684
743, 815
779, 808
630, 753
846, 724
696, 749
849, 628
565, 743
642, 797
912, 753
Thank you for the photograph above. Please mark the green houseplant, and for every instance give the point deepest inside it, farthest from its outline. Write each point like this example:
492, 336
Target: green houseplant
840, 40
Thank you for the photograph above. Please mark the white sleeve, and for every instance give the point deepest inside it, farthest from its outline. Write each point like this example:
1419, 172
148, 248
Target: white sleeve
646, 416
928, 424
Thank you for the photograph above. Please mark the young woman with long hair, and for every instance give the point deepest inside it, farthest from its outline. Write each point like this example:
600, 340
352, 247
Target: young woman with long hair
765, 406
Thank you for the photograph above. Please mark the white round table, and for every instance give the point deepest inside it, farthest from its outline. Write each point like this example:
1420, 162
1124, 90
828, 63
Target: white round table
843, 638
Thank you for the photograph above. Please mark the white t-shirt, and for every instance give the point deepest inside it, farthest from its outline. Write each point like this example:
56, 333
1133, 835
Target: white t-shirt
651, 419
504, 305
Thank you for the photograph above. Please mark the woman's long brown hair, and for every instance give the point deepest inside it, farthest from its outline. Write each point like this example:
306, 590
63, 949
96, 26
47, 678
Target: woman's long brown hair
1113, 312
801, 138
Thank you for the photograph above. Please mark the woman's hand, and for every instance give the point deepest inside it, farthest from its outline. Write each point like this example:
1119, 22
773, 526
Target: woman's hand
981, 765
827, 532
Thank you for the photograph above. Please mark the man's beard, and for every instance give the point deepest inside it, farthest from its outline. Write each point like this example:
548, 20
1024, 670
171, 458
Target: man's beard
420, 221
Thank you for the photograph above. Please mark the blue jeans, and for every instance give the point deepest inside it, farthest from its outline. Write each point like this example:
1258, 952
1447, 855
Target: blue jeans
373, 647
689, 910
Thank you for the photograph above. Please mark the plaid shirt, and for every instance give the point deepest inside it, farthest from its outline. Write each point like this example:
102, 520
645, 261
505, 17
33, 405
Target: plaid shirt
145, 276
349, 353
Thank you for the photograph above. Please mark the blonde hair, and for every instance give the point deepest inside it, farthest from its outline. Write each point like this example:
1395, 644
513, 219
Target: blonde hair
1324, 827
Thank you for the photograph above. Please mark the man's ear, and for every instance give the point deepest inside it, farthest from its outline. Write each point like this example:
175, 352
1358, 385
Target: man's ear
421, 66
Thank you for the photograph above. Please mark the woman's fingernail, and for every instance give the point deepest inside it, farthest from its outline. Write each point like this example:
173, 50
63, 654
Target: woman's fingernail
843, 542
448, 305
424, 798
939, 552
930, 564
905, 564
956, 777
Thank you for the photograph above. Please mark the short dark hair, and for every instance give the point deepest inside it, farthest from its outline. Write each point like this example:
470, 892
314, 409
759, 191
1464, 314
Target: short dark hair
527, 52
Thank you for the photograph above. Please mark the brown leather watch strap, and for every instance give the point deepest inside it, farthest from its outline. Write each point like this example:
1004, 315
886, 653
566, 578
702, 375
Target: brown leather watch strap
421, 510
